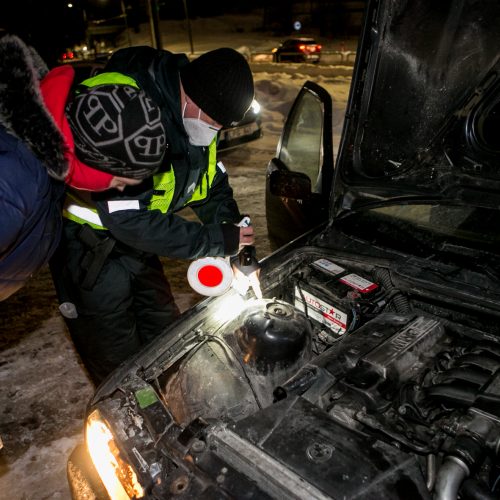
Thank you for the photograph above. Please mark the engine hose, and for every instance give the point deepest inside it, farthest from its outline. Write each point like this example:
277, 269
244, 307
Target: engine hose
298, 384
474, 490
400, 302
449, 478
431, 471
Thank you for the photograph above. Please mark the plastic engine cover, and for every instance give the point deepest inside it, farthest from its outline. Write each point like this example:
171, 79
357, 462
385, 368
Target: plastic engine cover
233, 372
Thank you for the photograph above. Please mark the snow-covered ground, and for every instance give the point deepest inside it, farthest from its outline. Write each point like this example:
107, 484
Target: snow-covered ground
43, 388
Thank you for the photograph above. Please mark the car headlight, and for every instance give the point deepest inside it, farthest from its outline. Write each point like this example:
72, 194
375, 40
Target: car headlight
118, 476
255, 107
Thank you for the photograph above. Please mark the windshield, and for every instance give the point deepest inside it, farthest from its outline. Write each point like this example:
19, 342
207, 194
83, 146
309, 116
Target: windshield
424, 229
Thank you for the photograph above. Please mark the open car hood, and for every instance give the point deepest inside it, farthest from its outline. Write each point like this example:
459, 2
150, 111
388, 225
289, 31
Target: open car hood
423, 112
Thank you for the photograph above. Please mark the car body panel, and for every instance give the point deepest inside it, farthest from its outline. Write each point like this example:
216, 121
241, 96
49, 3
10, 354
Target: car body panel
409, 129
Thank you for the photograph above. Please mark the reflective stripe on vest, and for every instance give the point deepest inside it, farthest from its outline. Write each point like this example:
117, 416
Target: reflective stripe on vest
78, 210
164, 183
205, 183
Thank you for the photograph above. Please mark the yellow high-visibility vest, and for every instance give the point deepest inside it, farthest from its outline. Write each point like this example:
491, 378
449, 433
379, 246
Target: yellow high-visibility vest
165, 184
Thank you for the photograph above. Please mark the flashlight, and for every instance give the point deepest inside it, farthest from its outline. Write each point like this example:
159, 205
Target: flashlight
248, 265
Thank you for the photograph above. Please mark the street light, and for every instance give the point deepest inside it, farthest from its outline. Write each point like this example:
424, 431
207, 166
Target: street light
186, 13
154, 24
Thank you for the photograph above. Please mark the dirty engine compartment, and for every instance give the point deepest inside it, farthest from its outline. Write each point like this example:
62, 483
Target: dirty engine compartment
352, 380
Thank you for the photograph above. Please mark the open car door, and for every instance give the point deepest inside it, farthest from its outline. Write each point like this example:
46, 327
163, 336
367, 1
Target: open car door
299, 178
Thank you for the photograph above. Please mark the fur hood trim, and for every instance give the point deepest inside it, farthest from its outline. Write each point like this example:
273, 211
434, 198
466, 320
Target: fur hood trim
22, 111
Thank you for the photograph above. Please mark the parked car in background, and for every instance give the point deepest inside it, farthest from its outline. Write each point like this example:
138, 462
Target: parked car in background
300, 49
248, 129
371, 367
69, 55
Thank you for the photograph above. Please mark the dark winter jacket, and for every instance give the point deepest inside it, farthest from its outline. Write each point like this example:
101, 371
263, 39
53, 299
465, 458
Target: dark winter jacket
157, 73
32, 166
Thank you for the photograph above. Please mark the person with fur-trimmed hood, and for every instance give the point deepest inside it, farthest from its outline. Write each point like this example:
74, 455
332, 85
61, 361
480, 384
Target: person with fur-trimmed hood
32, 168
37, 159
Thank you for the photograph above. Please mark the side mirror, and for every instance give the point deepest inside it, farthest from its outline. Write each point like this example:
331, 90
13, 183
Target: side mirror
294, 185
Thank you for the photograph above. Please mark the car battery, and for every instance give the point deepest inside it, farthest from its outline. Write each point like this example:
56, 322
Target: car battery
331, 296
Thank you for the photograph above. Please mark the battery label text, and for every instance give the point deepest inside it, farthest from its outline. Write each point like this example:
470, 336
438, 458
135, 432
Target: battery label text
324, 313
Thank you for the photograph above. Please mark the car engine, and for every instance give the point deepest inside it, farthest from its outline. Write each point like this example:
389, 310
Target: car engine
343, 385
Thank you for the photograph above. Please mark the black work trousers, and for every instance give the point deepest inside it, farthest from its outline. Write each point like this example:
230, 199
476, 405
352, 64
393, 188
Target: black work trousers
128, 306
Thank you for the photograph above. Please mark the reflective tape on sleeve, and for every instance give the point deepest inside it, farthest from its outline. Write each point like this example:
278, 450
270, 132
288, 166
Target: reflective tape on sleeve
83, 213
118, 205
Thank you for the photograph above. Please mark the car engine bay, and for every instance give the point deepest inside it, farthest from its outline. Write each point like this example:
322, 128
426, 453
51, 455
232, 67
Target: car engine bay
353, 381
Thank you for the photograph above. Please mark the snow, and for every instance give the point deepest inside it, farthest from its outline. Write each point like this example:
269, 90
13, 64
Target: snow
40, 471
43, 388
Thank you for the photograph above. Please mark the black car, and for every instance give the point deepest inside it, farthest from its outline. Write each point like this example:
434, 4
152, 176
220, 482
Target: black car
248, 129
300, 49
371, 369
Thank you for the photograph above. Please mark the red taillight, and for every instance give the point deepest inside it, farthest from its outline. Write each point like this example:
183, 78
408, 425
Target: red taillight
309, 48
64, 56
71, 55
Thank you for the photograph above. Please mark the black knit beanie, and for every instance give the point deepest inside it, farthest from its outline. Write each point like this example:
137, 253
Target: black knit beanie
117, 129
220, 83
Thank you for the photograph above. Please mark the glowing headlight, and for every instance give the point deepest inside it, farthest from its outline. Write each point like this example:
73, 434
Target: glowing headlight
118, 477
255, 107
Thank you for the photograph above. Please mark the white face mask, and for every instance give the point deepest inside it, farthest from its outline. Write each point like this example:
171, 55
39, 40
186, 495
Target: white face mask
199, 132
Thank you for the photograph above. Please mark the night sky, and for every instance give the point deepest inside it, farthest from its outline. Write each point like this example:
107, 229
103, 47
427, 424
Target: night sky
49, 26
